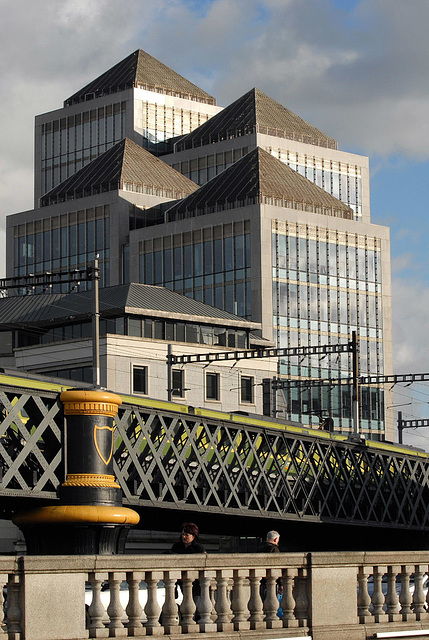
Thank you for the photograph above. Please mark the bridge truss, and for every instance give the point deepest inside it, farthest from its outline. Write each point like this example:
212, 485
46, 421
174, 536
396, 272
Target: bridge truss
226, 464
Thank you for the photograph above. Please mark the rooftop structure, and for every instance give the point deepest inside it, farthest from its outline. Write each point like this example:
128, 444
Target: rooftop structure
139, 98
140, 70
255, 111
258, 177
125, 166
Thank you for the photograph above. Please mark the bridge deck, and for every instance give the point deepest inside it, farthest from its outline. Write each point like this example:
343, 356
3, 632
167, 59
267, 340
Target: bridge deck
170, 456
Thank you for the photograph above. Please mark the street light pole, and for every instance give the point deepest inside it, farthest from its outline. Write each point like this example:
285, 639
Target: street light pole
355, 395
96, 325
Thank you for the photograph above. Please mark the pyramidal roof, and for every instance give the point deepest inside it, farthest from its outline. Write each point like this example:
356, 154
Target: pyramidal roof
258, 178
140, 70
125, 165
255, 112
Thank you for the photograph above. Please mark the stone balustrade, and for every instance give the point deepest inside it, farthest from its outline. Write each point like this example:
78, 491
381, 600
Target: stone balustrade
325, 596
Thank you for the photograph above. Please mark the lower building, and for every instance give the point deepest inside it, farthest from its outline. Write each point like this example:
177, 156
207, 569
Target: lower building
51, 335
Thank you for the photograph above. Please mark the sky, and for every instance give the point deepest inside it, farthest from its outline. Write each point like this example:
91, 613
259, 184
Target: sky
356, 69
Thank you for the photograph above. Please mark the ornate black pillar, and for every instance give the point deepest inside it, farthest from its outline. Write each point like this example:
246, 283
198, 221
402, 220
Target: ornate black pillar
89, 518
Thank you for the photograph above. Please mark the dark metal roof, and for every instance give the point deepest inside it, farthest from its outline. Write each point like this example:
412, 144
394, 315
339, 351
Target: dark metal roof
255, 111
140, 70
125, 165
140, 299
258, 178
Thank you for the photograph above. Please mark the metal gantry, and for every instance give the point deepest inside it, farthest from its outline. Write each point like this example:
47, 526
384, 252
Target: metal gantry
278, 352
415, 423
72, 276
238, 466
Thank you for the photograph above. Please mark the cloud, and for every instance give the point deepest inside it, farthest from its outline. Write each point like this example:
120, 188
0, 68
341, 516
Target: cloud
355, 74
410, 340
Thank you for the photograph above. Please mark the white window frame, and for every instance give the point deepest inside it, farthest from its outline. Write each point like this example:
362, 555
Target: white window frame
213, 373
252, 389
135, 367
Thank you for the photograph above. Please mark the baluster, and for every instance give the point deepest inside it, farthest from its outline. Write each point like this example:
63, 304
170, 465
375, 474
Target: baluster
115, 610
392, 600
205, 604
3, 604
301, 598
213, 594
152, 608
96, 610
287, 603
427, 593
188, 607
364, 599
418, 595
223, 607
405, 595
13, 608
169, 612
255, 601
134, 609
271, 602
239, 601
378, 596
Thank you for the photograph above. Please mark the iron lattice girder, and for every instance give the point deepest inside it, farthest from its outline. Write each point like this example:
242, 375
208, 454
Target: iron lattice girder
182, 461
31, 437
198, 464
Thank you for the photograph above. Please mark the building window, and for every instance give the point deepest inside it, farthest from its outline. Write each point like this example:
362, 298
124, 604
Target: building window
247, 385
140, 380
178, 383
212, 386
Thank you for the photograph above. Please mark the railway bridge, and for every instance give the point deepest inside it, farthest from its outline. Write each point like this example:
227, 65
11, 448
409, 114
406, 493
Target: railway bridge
235, 474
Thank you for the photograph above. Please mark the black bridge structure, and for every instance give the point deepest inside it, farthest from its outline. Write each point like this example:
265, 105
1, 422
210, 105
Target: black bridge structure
233, 474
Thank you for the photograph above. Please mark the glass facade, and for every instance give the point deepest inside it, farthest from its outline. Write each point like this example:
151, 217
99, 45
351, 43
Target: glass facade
211, 265
341, 180
201, 170
327, 284
157, 121
136, 326
70, 143
64, 242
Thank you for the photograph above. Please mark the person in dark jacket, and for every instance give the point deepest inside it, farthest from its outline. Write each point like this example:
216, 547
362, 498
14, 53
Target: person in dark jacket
271, 544
188, 542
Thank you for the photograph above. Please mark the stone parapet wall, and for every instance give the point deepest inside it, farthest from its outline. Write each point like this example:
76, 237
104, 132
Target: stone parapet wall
341, 596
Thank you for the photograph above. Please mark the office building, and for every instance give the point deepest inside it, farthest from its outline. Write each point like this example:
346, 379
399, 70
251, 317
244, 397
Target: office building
273, 224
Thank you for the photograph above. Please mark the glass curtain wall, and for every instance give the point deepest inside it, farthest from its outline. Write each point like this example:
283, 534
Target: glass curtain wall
211, 265
157, 121
70, 143
327, 284
64, 242
340, 179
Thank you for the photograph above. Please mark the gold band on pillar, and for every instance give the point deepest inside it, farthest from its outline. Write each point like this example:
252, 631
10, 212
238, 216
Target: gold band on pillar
86, 402
69, 514
90, 480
